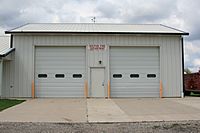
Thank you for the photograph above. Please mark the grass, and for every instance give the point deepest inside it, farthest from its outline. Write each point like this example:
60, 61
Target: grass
7, 103
194, 94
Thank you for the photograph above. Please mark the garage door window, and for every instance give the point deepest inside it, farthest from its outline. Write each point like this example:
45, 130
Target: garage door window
77, 75
151, 75
42, 75
59, 75
117, 75
134, 76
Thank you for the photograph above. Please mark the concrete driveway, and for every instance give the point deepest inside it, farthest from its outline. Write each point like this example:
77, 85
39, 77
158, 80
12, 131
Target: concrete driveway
104, 110
174, 109
47, 110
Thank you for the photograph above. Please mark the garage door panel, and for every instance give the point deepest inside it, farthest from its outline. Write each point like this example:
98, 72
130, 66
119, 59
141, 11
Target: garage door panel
120, 81
140, 61
138, 94
60, 64
62, 88
137, 91
136, 68
61, 82
55, 68
136, 82
67, 79
55, 93
61, 55
136, 54
115, 60
127, 77
135, 86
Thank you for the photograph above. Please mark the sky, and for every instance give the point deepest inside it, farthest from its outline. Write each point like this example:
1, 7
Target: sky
181, 14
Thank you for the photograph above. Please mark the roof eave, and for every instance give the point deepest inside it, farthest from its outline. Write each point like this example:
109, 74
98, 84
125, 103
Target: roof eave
7, 52
54, 32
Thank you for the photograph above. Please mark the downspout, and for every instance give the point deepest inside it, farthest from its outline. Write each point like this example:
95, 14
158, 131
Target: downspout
11, 41
182, 45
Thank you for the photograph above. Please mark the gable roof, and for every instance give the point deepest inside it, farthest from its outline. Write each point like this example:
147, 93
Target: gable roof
97, 28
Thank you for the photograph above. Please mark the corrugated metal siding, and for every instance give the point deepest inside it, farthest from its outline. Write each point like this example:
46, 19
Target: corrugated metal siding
23, 66
6, 91
170, 65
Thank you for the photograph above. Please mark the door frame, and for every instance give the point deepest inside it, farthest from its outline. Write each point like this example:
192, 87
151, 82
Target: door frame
90, 88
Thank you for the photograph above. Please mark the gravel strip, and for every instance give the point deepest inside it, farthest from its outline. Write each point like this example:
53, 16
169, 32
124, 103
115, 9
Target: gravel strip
140, 127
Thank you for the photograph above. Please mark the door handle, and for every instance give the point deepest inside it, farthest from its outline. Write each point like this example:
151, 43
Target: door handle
102, 83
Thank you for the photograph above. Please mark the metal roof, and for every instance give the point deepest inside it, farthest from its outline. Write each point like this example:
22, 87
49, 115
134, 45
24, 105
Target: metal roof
4, 43
5, 46
96, 28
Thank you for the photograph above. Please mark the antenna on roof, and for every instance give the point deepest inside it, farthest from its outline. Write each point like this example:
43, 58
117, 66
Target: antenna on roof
93, 19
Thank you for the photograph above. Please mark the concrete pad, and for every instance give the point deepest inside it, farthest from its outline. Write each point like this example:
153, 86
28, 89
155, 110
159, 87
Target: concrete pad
155, 109
189, 101
105, 110
47, 110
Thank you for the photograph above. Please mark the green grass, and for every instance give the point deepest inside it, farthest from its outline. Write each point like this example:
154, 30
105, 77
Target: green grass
194, 94
6, 103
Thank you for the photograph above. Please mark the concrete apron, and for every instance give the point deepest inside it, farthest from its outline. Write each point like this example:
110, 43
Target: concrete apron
47, 110
105, 110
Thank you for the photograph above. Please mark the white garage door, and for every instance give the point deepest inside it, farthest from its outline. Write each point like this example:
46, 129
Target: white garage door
134, 71
59, 71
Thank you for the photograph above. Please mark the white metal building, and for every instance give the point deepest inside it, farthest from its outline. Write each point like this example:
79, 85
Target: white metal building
5, 58
95, 60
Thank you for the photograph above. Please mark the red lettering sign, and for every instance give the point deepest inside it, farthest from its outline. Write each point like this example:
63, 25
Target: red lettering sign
97, 47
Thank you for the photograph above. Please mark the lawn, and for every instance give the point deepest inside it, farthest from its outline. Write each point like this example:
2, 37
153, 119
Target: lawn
6, 103
194, 94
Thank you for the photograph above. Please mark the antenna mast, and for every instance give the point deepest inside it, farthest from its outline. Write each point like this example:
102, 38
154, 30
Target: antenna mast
93, 19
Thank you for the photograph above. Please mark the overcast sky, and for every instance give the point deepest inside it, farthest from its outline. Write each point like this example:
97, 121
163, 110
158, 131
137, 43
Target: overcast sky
182, 14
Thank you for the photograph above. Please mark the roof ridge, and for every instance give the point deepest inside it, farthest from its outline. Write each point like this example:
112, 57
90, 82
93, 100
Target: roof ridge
93, 24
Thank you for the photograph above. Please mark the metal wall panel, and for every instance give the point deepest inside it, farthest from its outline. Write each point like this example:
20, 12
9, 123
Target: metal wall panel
6, 90
54, 71
170, 57
134, 64
23, 66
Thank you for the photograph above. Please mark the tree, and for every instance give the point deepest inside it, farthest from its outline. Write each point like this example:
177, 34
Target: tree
187, 71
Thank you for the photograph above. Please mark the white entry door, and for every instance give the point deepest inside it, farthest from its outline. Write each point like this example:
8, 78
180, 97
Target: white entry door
97, 82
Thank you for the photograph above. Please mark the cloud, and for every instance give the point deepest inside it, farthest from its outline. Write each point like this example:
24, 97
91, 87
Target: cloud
192, 54
188, 14
181, 14
196, 62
